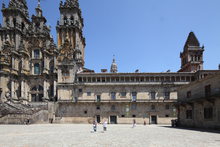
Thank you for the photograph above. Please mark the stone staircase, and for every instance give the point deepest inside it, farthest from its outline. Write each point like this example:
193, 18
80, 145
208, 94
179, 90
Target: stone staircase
18, 113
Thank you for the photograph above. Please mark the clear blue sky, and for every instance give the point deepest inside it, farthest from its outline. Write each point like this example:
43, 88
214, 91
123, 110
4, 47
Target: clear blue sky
143, 34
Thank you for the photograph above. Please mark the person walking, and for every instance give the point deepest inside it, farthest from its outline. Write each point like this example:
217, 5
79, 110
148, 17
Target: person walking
145, 123
105, 125
134, 123
94, 126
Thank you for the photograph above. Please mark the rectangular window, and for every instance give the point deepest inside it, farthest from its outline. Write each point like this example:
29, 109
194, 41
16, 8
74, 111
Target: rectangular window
208, 90
37, 69
113, 95
167, 95
133, 106
153, 95
167, 107
123, 94
36, 54
98, 98
80, 90
208, 113
134, 96
188, 114
152, 107
113, 108
88, 93
188, 94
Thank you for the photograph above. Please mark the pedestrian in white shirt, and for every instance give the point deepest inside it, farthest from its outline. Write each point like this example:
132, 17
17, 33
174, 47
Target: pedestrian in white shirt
105, 125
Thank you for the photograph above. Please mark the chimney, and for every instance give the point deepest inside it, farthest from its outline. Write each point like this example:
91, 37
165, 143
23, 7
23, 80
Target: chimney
104, 70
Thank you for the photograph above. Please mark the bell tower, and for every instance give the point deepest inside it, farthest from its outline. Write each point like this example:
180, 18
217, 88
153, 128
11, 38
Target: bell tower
70, 26
192, 55
16, 21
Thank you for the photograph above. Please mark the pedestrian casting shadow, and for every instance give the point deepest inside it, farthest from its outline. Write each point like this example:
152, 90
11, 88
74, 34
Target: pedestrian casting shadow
194, 129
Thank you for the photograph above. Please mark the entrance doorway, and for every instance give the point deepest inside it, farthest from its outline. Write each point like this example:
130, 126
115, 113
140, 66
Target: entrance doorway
153, 119
37, 93
98, 119
113, 119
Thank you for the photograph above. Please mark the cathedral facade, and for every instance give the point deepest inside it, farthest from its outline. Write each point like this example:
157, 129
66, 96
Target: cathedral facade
33, 69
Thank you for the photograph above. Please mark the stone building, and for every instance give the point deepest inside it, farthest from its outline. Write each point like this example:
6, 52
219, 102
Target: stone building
28, 55
199, 103
33, 70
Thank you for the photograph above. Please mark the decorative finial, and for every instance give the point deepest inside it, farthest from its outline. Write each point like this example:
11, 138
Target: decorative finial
38, 5
114, 67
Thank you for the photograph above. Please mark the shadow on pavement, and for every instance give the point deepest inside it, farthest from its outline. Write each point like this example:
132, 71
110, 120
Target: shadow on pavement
194, 129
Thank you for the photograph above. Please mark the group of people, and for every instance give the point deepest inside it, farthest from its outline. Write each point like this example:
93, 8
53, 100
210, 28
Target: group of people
104, 125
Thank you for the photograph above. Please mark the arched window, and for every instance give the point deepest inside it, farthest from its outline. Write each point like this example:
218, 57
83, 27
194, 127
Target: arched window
72, 20
36, 68
51, 90
51, 66
65, 20
14, 22
22, 26
37, 93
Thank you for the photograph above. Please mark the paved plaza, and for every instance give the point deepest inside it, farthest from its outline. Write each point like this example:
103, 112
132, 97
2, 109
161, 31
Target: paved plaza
69, 135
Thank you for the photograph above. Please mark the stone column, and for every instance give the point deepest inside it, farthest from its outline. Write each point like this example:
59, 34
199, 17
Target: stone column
54, 88
45, 89
22, 89
12, 89
54, 64
13, 62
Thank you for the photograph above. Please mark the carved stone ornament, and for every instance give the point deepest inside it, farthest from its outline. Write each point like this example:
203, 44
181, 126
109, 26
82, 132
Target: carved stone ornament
66, 51
34, 42
5, 53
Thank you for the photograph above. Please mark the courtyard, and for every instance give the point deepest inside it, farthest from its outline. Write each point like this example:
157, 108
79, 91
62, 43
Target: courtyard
71, 135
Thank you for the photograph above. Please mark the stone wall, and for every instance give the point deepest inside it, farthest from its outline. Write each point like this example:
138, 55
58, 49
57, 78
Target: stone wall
199, 101
124, 112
